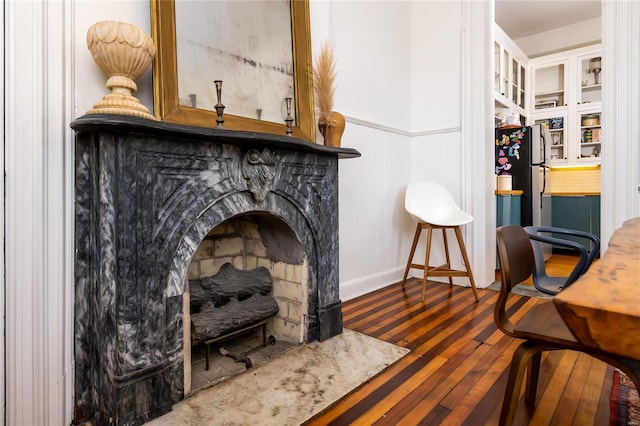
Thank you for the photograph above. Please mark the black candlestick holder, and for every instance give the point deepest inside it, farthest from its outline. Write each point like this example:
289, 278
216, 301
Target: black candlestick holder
289, 119
219, 107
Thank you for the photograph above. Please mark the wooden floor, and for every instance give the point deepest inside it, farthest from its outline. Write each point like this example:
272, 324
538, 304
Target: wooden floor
456, 371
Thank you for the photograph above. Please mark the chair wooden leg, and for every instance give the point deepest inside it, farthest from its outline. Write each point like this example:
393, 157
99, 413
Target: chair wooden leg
467, 264
413, 250
426, 262
446, 253
521, 358
533, 371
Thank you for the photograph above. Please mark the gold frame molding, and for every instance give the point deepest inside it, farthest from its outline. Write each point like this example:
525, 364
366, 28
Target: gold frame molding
165, 77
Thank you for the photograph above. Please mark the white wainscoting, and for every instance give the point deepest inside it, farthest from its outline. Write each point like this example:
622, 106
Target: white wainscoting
373, 223
39, 213
620, 198
3, 222
374, 227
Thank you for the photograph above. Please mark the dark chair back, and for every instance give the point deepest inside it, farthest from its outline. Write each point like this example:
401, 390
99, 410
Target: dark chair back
515, 255
553, 237
517, 262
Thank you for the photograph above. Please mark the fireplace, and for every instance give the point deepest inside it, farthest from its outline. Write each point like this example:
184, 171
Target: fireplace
147, 195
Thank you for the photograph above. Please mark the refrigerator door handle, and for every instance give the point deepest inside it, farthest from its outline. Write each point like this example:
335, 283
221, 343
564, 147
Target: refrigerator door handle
539, 152
542, 163
546, 137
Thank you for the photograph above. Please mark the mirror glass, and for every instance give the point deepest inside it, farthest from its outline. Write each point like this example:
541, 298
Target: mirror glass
246, 44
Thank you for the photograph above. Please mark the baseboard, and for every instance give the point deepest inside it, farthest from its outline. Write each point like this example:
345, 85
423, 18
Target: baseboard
358, 287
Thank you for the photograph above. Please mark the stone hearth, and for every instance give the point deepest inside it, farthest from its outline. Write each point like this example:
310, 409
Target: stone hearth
147, 194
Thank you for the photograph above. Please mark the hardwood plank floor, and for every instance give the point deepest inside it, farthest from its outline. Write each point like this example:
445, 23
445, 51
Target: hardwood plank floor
457, 369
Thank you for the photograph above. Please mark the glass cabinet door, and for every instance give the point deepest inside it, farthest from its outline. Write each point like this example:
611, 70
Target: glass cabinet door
518, 79
557, 151
522, 86
590, 67
497, 66
515, 89
550, 86
590, 136
505, 74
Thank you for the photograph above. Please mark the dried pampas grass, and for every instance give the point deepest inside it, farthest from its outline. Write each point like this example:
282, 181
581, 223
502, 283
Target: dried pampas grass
324, 76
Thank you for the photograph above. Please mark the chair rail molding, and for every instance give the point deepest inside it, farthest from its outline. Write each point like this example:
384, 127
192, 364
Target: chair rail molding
620, 110
38, 215
401, 132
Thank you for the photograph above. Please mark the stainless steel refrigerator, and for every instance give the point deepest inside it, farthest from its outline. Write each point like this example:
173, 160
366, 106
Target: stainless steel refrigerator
521, 152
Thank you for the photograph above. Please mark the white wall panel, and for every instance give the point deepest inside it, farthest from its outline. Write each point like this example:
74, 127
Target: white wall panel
374, 226
39, 225
450, 118
90, 79
375, 231
3, 288
620, 110
319, 20
437, 157
435, 65
477, 133
371, 42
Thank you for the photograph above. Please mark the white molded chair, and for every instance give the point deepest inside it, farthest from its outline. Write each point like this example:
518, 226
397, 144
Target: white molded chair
434, 208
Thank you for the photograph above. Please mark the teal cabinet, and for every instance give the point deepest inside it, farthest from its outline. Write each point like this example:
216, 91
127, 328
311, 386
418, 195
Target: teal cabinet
595, 214
579, 212
508, 209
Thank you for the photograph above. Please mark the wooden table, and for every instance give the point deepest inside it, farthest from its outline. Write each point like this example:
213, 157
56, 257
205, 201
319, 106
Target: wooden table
602, 308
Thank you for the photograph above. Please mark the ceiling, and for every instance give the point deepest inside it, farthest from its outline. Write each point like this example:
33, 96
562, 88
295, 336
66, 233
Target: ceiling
521, 18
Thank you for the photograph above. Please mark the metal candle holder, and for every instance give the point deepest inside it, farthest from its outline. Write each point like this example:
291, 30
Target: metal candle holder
219, 107
289, 119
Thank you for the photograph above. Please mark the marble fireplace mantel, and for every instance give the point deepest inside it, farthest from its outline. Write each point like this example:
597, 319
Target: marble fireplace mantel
147, 193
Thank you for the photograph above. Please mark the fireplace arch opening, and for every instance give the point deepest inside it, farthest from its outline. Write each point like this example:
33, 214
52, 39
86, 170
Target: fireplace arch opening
250, 242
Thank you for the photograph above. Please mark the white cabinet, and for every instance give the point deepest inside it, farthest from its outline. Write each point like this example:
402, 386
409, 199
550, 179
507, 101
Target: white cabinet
518, 79
550, 84
561, 91
567, 90
510, 76
590, 136
501, 75
590, 89
557, 149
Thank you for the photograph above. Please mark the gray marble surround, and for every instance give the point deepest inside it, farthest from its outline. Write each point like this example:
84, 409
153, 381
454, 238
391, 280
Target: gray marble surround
147, 193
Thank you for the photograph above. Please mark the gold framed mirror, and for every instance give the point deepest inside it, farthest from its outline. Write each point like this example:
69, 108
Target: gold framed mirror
255, 87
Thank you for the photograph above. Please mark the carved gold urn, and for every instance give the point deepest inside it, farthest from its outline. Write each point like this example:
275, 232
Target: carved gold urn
124, 52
